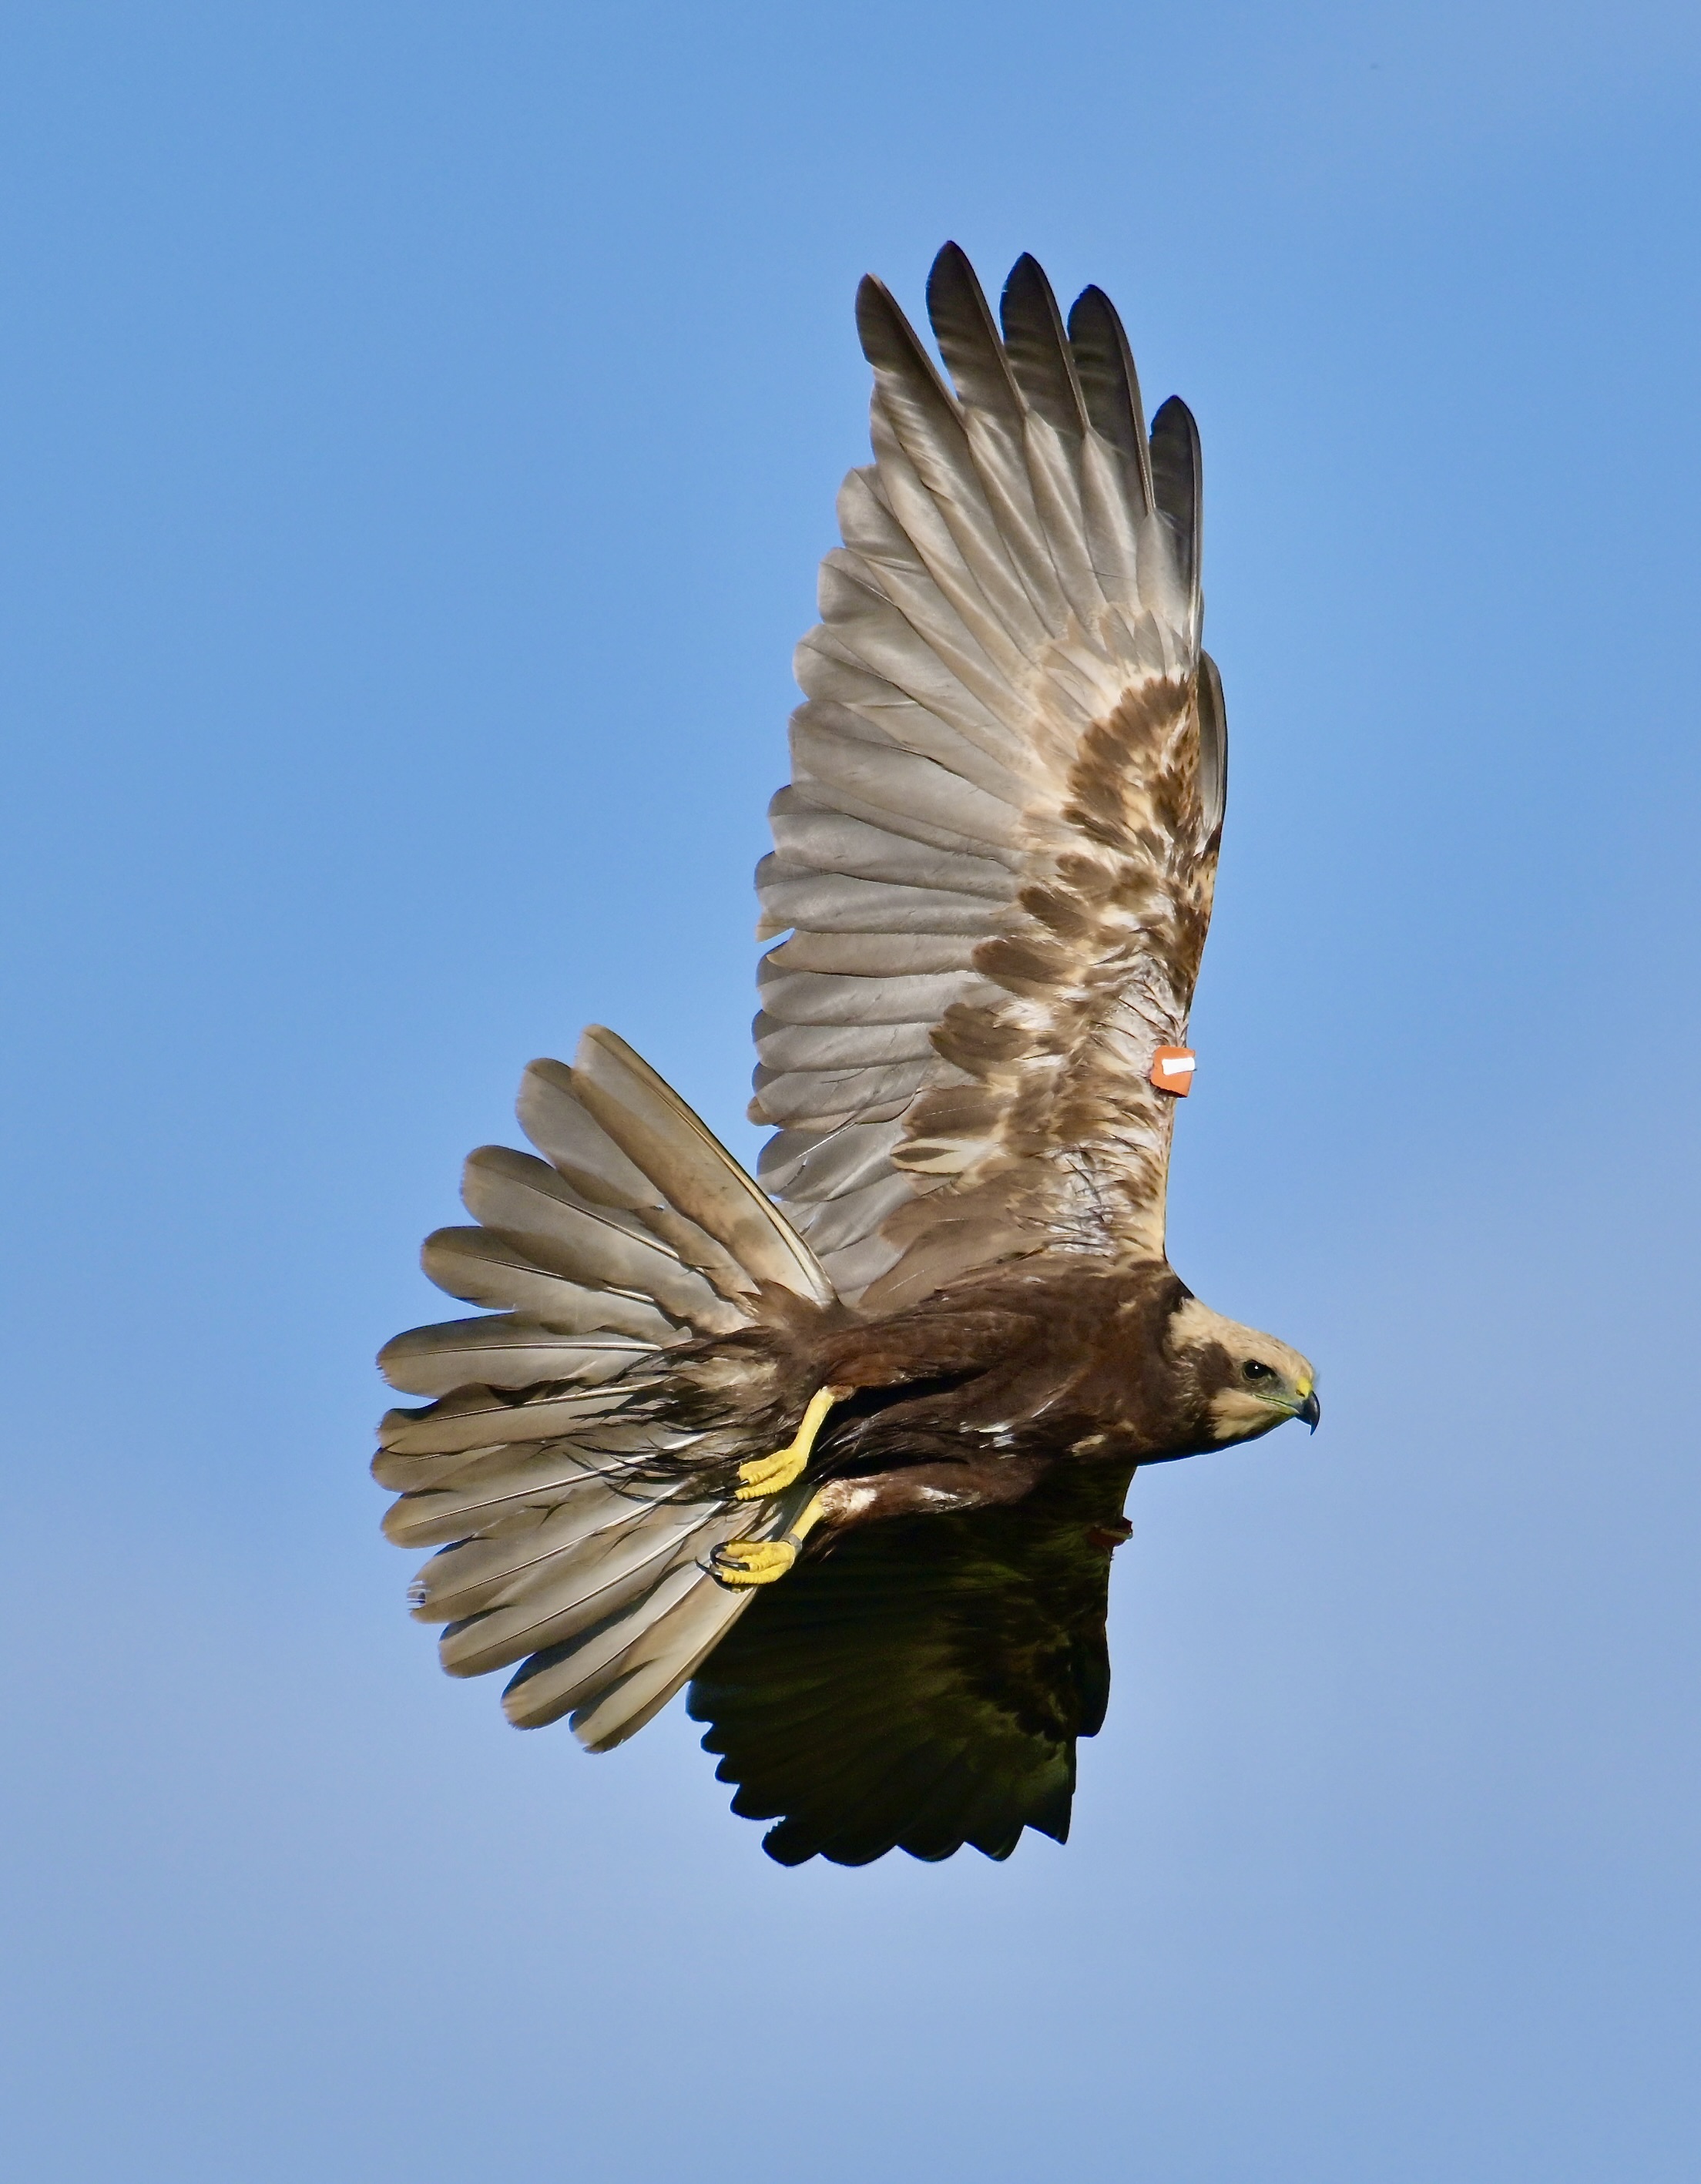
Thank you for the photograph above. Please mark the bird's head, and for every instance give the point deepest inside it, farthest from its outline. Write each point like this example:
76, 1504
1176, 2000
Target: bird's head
1240, 1383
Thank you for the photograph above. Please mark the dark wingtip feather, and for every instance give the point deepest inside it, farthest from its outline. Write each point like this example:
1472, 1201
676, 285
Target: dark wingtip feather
998, 1847
1038, 350
968, 336
1176, 481
892, 347
790, 1844
1052, 1816
1026, 275
1110, 386
876, 310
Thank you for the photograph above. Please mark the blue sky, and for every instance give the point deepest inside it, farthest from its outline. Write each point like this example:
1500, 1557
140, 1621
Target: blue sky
422, 424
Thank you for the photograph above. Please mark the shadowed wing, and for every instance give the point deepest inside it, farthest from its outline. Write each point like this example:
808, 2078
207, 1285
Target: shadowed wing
922, 1683
995, 856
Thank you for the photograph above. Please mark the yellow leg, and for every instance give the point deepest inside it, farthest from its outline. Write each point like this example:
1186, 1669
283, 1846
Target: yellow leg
771, 1475
760, 1561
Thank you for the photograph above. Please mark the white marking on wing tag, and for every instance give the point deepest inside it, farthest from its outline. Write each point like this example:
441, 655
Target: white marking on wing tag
1178, 1068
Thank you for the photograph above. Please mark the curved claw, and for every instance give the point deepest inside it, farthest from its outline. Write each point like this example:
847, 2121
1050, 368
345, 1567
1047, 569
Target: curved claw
752, 1562
760, 1561
768, 1475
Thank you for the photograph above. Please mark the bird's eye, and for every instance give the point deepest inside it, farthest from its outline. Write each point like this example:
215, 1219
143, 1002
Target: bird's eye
1254, 1371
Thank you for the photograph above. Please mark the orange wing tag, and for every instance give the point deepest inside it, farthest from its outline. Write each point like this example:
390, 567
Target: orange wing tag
1172, 1070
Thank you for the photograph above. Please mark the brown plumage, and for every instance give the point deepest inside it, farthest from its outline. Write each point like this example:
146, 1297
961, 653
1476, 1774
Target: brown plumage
950, 1312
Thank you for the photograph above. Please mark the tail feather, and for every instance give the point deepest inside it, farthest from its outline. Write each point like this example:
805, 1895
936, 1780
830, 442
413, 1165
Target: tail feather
476, 1418
508, 1350
517, 1196
606, 1576
582, 1152
661, 1661
575, 1144
573, 1473
487, 1266
592, 1534
698, 1177
618, 1675
505, 1486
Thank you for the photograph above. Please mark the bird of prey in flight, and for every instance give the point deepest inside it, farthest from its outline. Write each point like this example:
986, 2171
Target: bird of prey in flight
846, 1451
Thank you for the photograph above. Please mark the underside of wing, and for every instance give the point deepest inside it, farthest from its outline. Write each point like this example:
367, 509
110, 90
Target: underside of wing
921, 1685
994, 858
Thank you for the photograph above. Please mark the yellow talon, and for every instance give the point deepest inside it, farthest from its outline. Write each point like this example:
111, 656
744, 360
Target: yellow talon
761, 1561
771, 1475
753, 1562
768, 1475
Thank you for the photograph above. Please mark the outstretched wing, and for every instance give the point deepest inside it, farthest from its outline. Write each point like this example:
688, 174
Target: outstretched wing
920, 1685
995, 856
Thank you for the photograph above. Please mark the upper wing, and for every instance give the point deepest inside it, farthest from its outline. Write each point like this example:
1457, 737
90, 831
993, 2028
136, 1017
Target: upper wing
922, 1683
997, 853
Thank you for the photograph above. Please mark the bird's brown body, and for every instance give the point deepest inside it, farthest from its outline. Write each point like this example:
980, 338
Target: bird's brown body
848, 1450
970, 1398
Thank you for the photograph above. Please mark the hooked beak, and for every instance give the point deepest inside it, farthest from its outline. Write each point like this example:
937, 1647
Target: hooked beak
1310, 1411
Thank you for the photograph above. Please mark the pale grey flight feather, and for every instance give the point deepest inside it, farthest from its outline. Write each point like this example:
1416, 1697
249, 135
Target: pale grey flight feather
1020, 560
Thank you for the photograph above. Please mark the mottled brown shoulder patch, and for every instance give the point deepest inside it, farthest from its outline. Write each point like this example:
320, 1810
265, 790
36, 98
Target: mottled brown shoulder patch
1055, 1139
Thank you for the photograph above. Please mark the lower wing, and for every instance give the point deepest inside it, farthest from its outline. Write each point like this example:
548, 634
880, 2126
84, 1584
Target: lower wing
920, 1685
